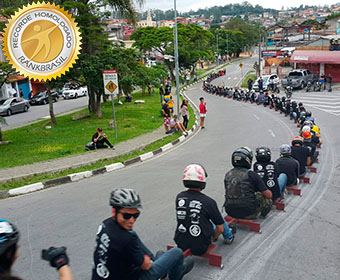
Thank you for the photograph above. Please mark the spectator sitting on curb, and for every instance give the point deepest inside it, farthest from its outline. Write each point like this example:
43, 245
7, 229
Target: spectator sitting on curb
176, 125
100, 139
166, 114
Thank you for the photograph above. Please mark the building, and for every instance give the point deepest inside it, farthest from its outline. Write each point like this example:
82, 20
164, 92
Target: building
147, 22
320, 62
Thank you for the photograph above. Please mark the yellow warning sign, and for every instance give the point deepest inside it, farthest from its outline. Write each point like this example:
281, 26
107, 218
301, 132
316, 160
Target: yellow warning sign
241, 65
111, 86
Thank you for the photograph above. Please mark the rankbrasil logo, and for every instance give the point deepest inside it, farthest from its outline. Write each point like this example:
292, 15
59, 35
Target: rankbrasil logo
42, 41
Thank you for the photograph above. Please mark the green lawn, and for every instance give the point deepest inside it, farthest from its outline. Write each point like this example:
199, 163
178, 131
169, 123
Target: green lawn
244, 82
43, 177
35, 143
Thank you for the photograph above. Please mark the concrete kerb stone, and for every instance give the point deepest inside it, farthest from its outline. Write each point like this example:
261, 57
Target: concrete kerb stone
26, 189
80, 175
166, 147
114, 166
146, 156
108, 168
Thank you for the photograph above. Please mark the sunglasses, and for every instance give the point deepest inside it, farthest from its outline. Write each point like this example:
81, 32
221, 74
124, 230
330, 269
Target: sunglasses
127, 216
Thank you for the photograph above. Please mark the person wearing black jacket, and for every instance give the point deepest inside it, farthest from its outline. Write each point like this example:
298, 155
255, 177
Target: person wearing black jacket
288, 165
267, 170
246, 196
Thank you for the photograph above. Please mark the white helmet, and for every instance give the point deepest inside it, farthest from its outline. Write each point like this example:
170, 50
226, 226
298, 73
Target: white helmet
306, 128
194, 176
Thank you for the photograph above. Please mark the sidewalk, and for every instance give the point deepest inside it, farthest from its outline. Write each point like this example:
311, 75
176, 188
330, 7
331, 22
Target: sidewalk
87, 158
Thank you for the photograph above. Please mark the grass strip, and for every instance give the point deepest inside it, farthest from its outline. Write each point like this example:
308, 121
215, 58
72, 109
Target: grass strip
245, 81
48, 176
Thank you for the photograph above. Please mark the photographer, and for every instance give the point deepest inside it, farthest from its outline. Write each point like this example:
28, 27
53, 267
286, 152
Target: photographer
100, 139
9, 253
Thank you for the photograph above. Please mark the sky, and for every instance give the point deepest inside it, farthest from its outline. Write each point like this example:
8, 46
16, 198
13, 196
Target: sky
187, 5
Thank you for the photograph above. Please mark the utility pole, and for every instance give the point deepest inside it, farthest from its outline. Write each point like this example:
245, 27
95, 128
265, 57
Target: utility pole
227, 44
259, 66
176, 62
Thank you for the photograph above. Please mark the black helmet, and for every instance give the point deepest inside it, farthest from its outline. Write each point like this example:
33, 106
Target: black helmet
263, 154
242, 157
9, 235
308, 114
125, 198
283, 98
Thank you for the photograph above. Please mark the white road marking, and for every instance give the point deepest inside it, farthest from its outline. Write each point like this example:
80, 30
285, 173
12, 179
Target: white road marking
229, 78
256, 117
235, 78
271, 132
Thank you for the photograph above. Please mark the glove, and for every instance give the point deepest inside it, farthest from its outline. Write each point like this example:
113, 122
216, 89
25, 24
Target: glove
56, 256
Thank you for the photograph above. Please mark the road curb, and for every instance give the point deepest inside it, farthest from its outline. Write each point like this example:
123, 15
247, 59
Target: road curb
75, 177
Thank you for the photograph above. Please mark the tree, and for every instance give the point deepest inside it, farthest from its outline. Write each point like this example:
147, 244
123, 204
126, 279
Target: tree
2, 122
88, 15
194, 43
6, 71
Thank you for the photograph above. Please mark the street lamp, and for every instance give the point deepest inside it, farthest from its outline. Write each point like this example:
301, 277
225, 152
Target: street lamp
176, 61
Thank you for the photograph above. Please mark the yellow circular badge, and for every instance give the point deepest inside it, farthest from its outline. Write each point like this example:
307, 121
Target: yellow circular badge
42, 41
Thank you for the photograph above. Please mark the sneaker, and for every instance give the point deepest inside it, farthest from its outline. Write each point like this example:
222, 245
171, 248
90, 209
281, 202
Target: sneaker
113, 148
158, 254
188, 264
228, 241
265, 211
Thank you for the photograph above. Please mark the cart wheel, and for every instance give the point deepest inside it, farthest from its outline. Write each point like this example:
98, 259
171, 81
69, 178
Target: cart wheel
221, 266
232, 227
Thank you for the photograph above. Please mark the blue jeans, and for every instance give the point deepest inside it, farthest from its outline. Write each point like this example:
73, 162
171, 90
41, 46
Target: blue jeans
227, 234
170, 262
282, 180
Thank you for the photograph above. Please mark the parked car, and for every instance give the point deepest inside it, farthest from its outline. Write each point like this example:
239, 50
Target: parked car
13, 105
267, 79
74, 92
299, 78
42, 98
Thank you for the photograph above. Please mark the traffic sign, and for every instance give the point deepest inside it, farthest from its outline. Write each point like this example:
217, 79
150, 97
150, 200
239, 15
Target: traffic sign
110, 78
241, 64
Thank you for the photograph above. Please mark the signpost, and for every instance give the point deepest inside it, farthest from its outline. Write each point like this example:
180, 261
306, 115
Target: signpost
110, 78
241, 65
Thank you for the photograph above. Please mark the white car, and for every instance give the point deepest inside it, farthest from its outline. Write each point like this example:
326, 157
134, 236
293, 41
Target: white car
267, 79
74, 93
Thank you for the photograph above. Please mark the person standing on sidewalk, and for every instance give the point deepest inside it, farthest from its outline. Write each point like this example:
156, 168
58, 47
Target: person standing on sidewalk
161, 92
166, 114
120, 254
203, 111
185, 113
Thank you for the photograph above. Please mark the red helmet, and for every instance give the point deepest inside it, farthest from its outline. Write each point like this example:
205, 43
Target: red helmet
297, 140
307, 136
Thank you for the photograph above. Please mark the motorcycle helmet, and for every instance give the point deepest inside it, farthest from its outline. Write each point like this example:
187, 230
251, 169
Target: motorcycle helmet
307, 136
300, 104
305, 128
308, 114
285, 150
263, 154
194, 176
9, 235
242, 157
125, 198
297, 140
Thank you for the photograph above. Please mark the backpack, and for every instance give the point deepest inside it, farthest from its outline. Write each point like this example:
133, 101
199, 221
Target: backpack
90, 146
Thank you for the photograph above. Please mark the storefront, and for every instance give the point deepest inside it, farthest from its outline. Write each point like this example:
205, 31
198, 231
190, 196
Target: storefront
319, 62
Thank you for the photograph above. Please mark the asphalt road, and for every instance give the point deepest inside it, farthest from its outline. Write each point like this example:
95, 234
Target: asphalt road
42, 111
301, 243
